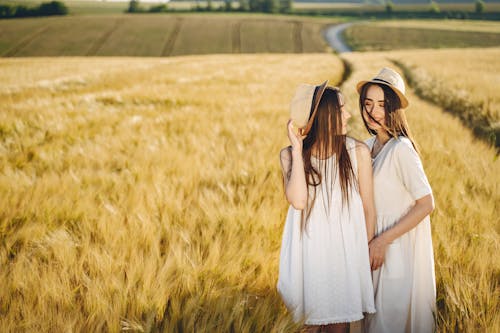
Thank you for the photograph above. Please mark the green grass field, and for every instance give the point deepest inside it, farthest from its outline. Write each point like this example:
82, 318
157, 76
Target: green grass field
160, 35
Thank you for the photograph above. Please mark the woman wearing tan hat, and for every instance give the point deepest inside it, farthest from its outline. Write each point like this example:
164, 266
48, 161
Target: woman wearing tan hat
325, 276
401, 253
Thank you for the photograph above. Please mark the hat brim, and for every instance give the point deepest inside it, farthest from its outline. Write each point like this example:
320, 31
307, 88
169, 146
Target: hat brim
316, 99
402, 97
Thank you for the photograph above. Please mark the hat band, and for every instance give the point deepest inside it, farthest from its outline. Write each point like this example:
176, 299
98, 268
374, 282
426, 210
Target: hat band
377, 79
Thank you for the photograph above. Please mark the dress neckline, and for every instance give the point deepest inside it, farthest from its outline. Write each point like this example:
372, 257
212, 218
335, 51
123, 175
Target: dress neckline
322, 159
381, 149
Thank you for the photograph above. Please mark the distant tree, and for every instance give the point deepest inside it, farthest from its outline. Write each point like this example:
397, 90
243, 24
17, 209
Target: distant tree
44, 9
270, 6
134, 7
23, 11
286, 6
434, 7
7, 10
255, 5
158, 8
228, 5
244, 5
389, 6
53, 8
210, 6
479, 4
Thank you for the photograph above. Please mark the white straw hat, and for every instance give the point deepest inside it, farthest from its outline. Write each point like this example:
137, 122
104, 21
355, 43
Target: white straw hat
390, 78
304, 104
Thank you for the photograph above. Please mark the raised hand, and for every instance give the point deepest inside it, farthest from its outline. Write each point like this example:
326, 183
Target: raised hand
295, 137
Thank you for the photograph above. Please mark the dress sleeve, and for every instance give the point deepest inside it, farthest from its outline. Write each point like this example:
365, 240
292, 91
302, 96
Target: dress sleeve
411, 171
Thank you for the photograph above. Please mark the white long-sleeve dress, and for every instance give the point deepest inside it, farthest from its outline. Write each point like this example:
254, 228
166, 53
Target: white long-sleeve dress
405, 288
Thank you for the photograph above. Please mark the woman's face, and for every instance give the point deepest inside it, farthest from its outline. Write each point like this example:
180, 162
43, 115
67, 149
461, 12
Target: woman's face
345, 114
374, 105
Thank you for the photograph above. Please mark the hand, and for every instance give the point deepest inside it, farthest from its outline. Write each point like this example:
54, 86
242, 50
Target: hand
377, 247
295, 138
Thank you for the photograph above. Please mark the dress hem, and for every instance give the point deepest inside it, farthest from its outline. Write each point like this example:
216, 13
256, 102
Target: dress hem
337, 320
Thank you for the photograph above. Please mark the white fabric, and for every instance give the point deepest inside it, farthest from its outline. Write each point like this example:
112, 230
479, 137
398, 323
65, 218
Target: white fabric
325, 271
405, 288
290, 280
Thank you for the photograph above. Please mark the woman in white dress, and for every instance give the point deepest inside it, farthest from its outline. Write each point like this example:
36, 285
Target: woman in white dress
401, 253
325, 277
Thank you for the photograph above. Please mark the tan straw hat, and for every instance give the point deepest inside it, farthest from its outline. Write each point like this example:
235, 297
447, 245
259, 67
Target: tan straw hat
304, 105
390, 78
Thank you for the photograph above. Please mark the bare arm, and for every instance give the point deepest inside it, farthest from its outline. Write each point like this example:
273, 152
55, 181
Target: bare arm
423, 207
365, 181
411, 173
292, 167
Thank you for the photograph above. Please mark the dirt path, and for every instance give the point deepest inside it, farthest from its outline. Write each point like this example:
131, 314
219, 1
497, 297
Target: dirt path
333, 35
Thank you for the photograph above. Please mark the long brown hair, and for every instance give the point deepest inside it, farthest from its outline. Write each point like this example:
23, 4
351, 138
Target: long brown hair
395, 119
327, 139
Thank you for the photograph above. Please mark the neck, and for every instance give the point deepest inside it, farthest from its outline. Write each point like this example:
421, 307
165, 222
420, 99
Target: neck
382, 136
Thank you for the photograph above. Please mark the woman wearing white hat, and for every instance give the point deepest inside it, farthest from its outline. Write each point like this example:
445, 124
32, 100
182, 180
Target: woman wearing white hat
401, 253
324, 276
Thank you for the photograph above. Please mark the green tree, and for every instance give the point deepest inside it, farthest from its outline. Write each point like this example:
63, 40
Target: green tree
244, 5
270, 6
52, 8
389, 7
7, 11
255, 5
286, 6
158, 8
479, 4
134, 7
434, 7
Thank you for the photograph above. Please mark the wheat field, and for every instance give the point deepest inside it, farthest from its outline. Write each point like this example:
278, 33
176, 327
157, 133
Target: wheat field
160, 35
422, 34
468, 91
150, 199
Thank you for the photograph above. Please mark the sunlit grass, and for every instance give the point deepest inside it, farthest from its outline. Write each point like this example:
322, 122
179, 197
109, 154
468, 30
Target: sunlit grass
469, 91
151, 198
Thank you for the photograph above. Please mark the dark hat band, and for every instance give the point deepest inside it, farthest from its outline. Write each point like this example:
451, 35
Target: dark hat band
384, 81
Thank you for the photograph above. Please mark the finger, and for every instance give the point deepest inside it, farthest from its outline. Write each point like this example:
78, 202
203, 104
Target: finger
379, 263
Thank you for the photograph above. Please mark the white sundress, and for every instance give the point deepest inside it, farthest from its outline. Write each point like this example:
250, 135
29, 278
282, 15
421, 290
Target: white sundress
325, 273
405, 288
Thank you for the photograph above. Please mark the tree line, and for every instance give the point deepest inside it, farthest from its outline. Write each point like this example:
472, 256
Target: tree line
44, 9
258, 6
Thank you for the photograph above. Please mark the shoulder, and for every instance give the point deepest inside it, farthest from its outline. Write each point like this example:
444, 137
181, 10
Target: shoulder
403, 146
405, 154
360, 147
